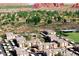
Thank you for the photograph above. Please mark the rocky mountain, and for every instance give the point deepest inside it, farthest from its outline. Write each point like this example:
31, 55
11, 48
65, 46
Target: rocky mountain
76, 5
48, 5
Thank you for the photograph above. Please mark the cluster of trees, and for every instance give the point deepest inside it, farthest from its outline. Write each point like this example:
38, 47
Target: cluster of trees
35, 17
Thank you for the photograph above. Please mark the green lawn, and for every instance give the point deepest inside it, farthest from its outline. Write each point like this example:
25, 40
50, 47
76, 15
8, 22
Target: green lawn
74, 36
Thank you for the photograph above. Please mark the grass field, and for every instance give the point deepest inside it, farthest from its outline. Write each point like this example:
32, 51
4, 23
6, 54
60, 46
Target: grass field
9, 7
74, 36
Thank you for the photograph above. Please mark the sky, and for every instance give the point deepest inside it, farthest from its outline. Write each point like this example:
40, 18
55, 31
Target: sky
39, 1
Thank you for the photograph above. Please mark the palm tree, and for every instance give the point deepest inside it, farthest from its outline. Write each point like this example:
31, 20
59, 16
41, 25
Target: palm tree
22, 14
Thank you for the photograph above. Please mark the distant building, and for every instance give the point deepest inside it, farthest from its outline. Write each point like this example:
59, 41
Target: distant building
63, 43
1, 54
10, 35
21, 40
54, 45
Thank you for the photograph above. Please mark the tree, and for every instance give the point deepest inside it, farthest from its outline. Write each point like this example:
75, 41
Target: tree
76, 13
22, 14
59, 19
58, 54
59, 32
13, 17
34, 20
49, 21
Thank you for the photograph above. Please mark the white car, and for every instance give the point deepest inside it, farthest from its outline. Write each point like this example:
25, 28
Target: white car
4, 44
6, 40
8, 44
5, 47
9, 47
